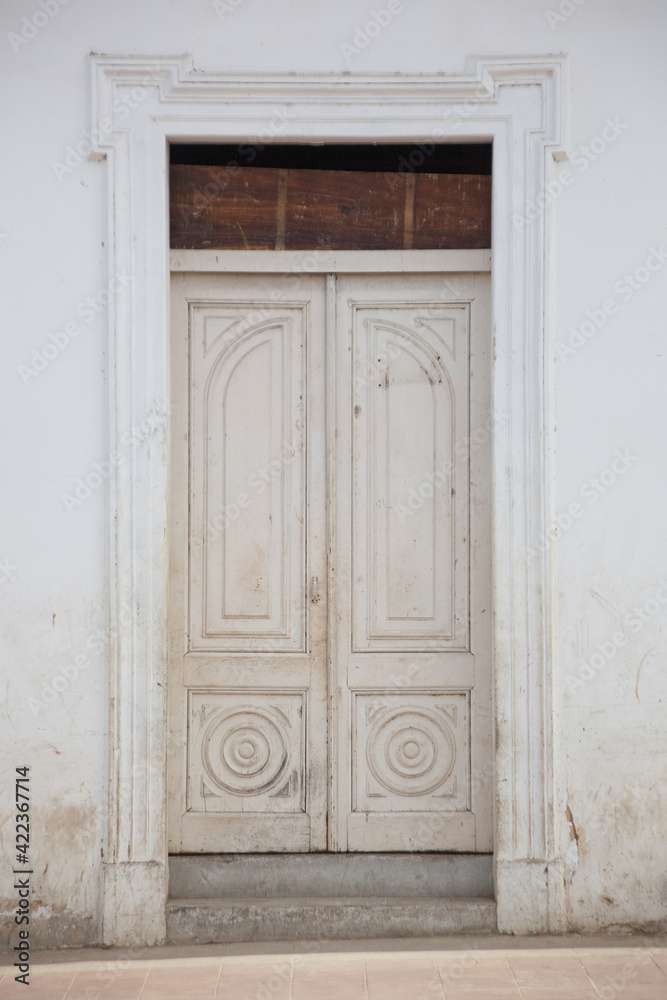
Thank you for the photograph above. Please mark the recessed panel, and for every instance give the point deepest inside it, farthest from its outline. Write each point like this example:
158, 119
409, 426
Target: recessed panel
405, 424
248, 505
410, 477
410, 752
246, 752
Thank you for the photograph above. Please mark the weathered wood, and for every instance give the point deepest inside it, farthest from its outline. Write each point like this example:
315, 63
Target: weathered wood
258, 208
452, 212
409, 217
217, 207
281, 210
344, 209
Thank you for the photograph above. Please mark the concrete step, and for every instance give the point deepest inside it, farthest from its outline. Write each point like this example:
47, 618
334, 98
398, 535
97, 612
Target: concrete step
220, 921
252, 876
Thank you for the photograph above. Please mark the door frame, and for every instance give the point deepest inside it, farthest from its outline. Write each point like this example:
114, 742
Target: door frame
139, 105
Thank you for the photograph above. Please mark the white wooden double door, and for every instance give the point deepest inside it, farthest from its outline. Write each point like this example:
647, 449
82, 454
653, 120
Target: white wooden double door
330, 673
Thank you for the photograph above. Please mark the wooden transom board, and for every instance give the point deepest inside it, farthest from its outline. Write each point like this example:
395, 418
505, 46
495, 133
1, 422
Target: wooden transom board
268, 208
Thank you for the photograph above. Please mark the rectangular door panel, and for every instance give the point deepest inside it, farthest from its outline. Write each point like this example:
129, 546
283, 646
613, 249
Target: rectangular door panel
247, 460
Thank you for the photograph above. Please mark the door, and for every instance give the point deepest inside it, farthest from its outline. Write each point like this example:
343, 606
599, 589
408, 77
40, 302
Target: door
330, 564
412, 567
248, 721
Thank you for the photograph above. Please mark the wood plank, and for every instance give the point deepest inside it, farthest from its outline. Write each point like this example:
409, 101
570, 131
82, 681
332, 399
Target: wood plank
345, 209
452, 211
281, 210
218, 207
266, 208
409, 218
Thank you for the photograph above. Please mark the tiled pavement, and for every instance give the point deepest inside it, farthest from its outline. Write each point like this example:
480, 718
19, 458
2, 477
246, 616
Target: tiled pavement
485, 968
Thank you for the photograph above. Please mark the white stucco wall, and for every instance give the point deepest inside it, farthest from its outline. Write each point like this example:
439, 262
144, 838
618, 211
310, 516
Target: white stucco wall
609, 397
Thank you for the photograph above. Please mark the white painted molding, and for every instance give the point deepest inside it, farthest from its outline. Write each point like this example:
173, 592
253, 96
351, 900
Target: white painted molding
138, 106
330, 261
134, 900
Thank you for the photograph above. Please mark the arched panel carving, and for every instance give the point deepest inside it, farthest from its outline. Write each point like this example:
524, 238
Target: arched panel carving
410, 483
247, 506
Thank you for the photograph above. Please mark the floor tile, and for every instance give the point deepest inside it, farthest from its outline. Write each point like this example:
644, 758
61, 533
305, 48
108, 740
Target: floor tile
556, 972
660, 959
484, 993
473, 971
92, 993
631, 969
413, 978
633, 993
326, 980
188, 983
42, 986
108, 984
560, 993
48, 991
254, 979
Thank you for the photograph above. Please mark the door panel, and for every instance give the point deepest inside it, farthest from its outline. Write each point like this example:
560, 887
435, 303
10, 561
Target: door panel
411, 589
411, 574
247, 461
248, 698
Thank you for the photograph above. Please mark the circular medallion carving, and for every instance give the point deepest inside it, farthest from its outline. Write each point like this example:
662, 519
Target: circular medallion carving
411, 752
245, 750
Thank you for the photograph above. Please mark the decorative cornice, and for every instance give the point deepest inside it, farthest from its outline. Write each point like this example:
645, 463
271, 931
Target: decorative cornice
179, 82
